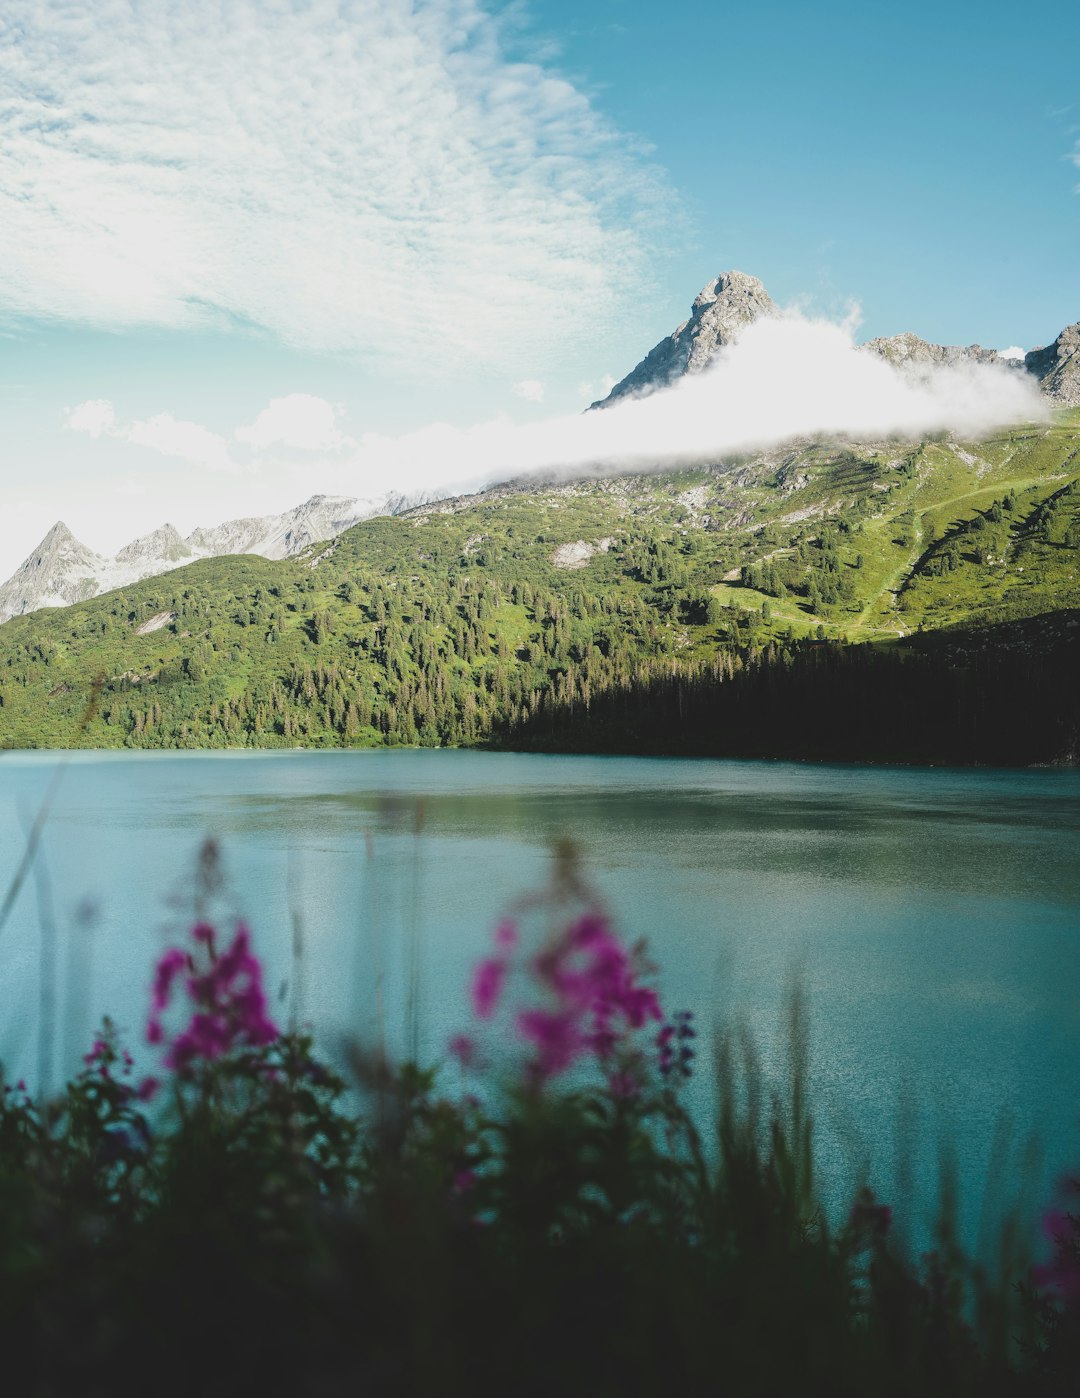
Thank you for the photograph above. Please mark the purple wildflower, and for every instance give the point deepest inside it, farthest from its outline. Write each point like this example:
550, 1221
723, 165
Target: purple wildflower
487, 986
593, 980
506, 937
1062, 1272
556, 1037
591, 1002
229, 1004
463, 1048
166, 971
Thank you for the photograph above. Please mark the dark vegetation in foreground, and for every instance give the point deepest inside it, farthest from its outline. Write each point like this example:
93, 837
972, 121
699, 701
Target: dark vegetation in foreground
908, 602
244, 1226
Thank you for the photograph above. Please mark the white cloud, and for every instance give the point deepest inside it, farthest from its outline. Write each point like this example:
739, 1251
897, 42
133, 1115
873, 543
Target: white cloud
789, 377
94, 417
1013, 352
348, 175
786, 378
186, 441
532, 390
298, 420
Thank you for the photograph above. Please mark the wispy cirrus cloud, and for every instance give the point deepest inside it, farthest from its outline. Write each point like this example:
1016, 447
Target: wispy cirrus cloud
347, 175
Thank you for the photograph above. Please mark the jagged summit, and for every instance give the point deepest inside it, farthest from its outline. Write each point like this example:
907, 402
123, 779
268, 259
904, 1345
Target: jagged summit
730, 302
909, 349
721, 309
58, 534
1057, 367
163, 543
61, 570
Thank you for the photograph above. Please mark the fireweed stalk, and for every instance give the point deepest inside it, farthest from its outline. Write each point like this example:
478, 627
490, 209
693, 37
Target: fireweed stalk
584, 1003
225, 991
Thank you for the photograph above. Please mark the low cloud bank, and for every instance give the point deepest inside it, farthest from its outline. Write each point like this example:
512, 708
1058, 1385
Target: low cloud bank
785, 379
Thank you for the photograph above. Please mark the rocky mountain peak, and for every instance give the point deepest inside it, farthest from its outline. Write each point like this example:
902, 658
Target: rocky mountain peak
164, 544
732, 289
60, 570
1057, 367
59, 543
57, 537
721, 309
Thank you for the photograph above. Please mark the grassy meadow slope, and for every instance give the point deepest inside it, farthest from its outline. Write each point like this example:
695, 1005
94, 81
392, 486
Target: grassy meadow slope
462, 622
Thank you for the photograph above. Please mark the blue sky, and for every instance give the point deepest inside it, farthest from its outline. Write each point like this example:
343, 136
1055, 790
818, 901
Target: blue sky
446, 212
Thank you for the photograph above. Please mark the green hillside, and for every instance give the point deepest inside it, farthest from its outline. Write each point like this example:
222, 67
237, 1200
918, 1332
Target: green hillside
461, 622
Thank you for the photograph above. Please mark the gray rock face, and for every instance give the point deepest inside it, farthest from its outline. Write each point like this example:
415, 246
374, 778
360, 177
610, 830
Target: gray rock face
1057, 367
722, 309
908, 349
280, 536
164, 544
61, 570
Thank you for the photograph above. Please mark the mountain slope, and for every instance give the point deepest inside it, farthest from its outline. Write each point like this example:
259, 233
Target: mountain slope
467, 619
61, 571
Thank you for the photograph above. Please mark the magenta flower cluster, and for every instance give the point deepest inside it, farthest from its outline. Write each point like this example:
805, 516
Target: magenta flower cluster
591, 1000
226, 994
1062, 1227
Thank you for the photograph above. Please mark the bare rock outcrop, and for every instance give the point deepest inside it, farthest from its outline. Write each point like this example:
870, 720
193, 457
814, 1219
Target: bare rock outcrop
723, 308
909, 350
1057, 367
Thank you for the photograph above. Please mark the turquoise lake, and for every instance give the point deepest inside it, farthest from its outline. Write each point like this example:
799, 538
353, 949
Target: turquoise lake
933, 916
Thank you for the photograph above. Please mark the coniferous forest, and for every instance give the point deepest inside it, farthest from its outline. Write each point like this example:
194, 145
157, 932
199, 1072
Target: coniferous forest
914, 607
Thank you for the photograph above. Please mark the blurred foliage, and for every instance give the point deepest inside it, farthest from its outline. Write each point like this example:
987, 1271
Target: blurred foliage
254, 1224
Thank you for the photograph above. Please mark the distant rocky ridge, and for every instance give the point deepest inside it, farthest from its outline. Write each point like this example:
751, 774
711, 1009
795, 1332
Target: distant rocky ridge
908, 350
61, 570
733, 300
